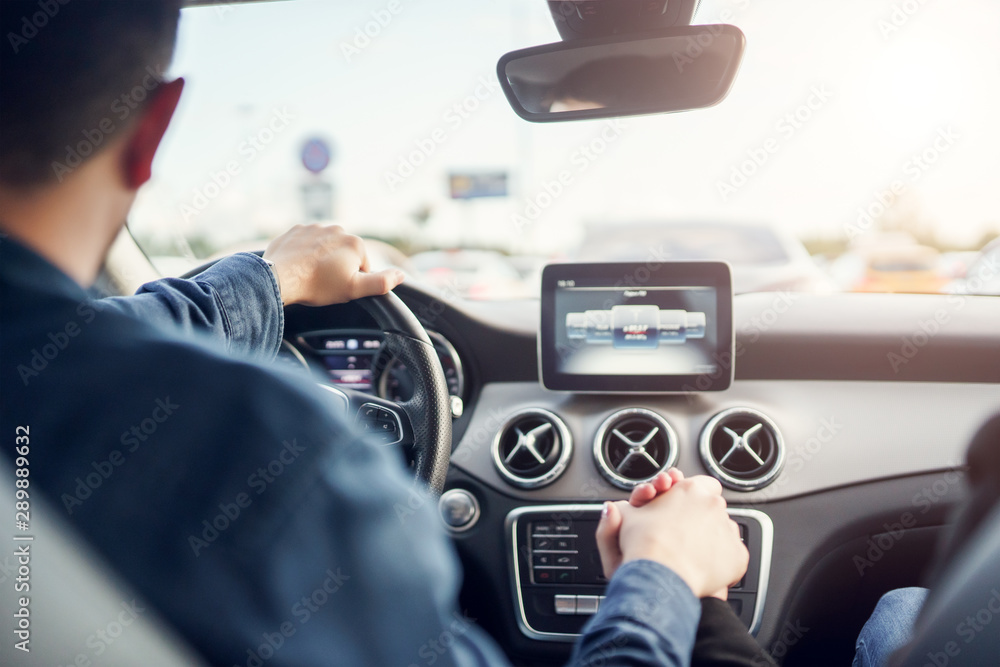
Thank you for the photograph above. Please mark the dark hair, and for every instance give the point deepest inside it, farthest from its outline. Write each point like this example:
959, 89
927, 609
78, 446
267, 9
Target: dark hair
72, 74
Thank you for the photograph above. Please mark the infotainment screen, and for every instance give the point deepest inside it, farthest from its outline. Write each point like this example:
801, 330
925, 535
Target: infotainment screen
637, 327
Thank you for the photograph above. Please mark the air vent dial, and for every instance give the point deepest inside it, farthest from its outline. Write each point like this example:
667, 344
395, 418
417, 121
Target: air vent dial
632, 446
743, 449
532, 448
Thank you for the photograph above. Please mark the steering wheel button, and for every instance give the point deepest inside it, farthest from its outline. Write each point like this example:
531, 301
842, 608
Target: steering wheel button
564, 544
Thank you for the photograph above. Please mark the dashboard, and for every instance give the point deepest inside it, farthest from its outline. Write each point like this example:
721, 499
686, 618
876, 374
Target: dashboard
355, 359
859, 425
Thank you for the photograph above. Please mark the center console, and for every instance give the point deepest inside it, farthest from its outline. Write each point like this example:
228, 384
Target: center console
557, 576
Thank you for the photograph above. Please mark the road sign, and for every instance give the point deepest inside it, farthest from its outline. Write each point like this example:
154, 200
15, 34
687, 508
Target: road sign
477, 184
317, 200
316, 155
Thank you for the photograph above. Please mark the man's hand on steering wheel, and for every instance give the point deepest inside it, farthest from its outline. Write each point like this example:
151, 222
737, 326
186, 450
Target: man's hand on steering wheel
322, 265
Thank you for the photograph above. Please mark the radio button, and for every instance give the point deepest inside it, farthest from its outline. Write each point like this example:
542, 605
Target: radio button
543, 528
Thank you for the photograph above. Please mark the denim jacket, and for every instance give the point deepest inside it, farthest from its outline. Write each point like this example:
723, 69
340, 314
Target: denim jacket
234, 500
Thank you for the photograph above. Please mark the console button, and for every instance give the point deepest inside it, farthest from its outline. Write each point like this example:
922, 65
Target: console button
587, 604
564, 544
543, 560
566, 605
543, 528
542, 543
565, 576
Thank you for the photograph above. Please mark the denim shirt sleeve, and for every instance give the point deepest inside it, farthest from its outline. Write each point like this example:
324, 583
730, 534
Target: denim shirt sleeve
235, 302
352, 526
650, 617
401, 579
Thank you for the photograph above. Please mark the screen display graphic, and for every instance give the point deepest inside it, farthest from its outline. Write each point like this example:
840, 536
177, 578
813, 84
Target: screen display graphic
636, 328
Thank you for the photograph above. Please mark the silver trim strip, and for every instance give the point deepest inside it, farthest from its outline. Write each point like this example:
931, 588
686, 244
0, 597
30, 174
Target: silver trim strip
339, 394
766, 552
515, 515
294, 351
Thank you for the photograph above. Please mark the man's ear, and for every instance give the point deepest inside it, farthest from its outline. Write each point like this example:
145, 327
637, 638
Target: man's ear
148, 131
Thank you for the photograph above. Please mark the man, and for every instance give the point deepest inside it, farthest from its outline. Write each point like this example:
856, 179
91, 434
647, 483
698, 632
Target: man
154, 393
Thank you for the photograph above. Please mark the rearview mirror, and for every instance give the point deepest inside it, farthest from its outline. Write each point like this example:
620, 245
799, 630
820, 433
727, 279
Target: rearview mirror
678, 69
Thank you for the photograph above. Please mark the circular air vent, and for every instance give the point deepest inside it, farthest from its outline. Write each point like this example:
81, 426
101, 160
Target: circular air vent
532, 448
633, 445
743, 449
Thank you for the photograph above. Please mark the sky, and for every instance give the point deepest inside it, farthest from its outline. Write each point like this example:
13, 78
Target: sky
844, 100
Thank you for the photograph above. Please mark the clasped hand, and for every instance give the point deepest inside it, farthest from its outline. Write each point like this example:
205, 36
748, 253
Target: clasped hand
680, 523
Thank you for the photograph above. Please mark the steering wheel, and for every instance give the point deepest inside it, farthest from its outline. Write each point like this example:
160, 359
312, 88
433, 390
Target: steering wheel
424, 421
425, 418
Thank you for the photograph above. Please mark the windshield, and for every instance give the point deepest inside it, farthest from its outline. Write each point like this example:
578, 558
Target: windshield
736, 244
859, 138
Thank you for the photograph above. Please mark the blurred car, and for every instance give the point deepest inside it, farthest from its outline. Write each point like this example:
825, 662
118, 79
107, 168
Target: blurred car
955, 265
763, 259
910, 268
983, 274
472, 274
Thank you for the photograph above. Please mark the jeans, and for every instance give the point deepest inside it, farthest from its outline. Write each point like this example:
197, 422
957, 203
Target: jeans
889, 627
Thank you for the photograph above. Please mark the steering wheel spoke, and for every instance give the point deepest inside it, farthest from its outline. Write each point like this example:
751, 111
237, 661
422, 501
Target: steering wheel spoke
383, 421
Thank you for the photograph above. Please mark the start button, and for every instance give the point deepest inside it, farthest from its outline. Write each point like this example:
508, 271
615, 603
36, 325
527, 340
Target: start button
459, 509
